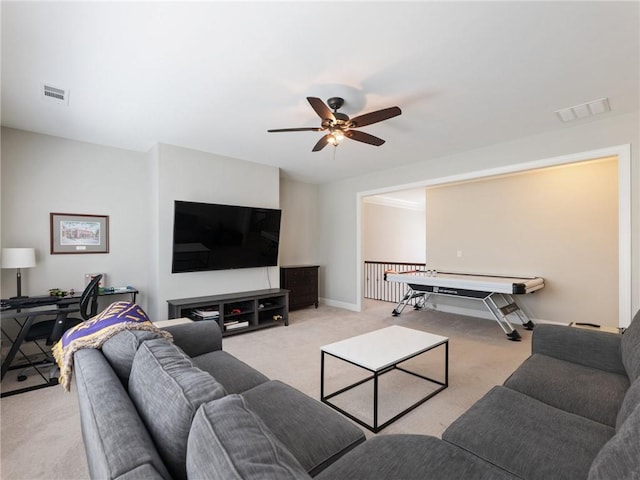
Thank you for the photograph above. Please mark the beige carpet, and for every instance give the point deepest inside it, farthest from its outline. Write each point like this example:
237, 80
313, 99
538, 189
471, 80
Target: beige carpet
40, 430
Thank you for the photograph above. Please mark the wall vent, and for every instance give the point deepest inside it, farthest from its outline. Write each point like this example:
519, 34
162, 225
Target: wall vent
584, 110
55, 94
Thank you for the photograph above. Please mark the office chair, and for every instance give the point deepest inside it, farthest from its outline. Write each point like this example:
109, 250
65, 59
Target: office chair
52, 330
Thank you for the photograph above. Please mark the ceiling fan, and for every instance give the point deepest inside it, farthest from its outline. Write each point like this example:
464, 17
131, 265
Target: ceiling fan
340, 125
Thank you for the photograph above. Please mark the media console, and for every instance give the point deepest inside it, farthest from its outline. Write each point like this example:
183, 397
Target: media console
236, 312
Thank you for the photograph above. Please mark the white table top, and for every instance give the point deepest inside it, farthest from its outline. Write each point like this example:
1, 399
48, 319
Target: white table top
385, 347
483, 283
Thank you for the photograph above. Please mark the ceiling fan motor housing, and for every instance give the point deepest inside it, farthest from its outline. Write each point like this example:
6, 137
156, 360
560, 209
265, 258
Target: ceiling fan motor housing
335, 103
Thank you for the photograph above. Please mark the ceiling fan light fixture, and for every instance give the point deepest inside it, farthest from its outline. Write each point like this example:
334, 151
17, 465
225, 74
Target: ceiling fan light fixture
336, 137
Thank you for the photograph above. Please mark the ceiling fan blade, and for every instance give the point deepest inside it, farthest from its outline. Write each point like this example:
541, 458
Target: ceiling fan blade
303, 129
363, 137
321, 109
321, 143
374, 117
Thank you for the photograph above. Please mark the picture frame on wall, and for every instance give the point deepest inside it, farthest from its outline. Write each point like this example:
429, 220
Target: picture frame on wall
79, 233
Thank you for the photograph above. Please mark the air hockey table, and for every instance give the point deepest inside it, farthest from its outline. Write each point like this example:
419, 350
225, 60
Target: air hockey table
494, 291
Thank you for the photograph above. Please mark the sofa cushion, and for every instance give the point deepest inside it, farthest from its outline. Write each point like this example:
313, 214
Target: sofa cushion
411, 457
235, 375
122, 347
528, 438
167, 390
117, 443
631, 400
196, 338
620, 456
311, 431
591, 348
630, 348
585, 391
228, 441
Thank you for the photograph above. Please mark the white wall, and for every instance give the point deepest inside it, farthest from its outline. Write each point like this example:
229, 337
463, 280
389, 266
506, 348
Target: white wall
43, 174
196, 176
299, 230
559, 223
340, 216
392, 234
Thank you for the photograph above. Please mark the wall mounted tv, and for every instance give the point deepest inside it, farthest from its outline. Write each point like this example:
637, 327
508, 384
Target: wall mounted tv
210, 236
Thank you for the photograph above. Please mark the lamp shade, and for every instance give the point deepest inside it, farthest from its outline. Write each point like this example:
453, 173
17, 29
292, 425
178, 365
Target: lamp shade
18, 257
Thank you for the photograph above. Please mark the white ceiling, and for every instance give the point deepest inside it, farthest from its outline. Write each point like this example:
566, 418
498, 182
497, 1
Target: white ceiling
214, 76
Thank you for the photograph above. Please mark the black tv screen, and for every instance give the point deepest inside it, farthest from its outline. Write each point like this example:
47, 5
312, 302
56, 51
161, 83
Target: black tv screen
210, 236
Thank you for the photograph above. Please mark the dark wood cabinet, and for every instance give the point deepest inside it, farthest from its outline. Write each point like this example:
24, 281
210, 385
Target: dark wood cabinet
302, 283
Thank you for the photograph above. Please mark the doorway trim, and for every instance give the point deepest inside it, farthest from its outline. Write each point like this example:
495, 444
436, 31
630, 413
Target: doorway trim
623, 154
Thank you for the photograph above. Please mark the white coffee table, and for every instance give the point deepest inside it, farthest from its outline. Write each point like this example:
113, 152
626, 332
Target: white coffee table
379, 352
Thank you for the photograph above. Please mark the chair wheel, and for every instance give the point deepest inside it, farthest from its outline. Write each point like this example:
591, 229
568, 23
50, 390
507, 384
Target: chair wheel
22, 378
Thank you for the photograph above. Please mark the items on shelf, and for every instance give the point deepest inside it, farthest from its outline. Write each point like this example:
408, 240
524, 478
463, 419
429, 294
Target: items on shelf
56, 292
206, 313
235, 325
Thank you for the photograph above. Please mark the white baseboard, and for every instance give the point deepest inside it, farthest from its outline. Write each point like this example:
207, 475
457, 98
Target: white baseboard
334, 303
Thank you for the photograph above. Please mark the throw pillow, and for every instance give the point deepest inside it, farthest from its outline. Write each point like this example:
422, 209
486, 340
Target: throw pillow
229, 442
122, 347
167, 389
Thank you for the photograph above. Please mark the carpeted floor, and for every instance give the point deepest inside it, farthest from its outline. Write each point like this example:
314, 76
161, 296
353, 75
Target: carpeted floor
40, 430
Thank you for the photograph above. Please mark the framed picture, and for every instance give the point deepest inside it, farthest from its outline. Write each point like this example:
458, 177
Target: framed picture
77, 233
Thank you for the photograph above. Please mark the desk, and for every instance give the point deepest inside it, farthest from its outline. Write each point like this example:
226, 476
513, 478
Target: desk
25, 311
61, 302
26, 319
493, 290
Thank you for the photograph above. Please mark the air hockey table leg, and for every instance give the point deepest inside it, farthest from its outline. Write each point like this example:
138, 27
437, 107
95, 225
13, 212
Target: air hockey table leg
511, 332
422, 300
513, 307
405, 301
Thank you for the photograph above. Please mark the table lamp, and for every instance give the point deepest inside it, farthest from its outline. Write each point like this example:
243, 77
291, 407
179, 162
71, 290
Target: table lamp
18, 258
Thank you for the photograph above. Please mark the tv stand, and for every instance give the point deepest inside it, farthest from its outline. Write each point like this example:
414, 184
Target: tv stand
236, 312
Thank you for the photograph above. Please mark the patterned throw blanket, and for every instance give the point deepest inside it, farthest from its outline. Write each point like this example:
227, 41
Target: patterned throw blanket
94, 332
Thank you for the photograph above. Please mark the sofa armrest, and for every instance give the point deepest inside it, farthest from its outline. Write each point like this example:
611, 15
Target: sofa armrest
117, 443
590, 348
197, 338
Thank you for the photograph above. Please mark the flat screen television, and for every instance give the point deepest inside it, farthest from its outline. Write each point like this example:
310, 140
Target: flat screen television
209, 236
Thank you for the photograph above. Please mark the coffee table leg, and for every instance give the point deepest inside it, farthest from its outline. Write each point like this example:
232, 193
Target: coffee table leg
446, 364
322, 375
375, 402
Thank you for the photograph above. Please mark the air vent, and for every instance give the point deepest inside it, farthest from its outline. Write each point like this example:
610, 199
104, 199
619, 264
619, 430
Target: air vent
584, 110
55, 94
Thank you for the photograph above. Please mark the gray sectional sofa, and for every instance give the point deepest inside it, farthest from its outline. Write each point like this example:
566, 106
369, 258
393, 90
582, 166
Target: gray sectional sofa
154, 409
